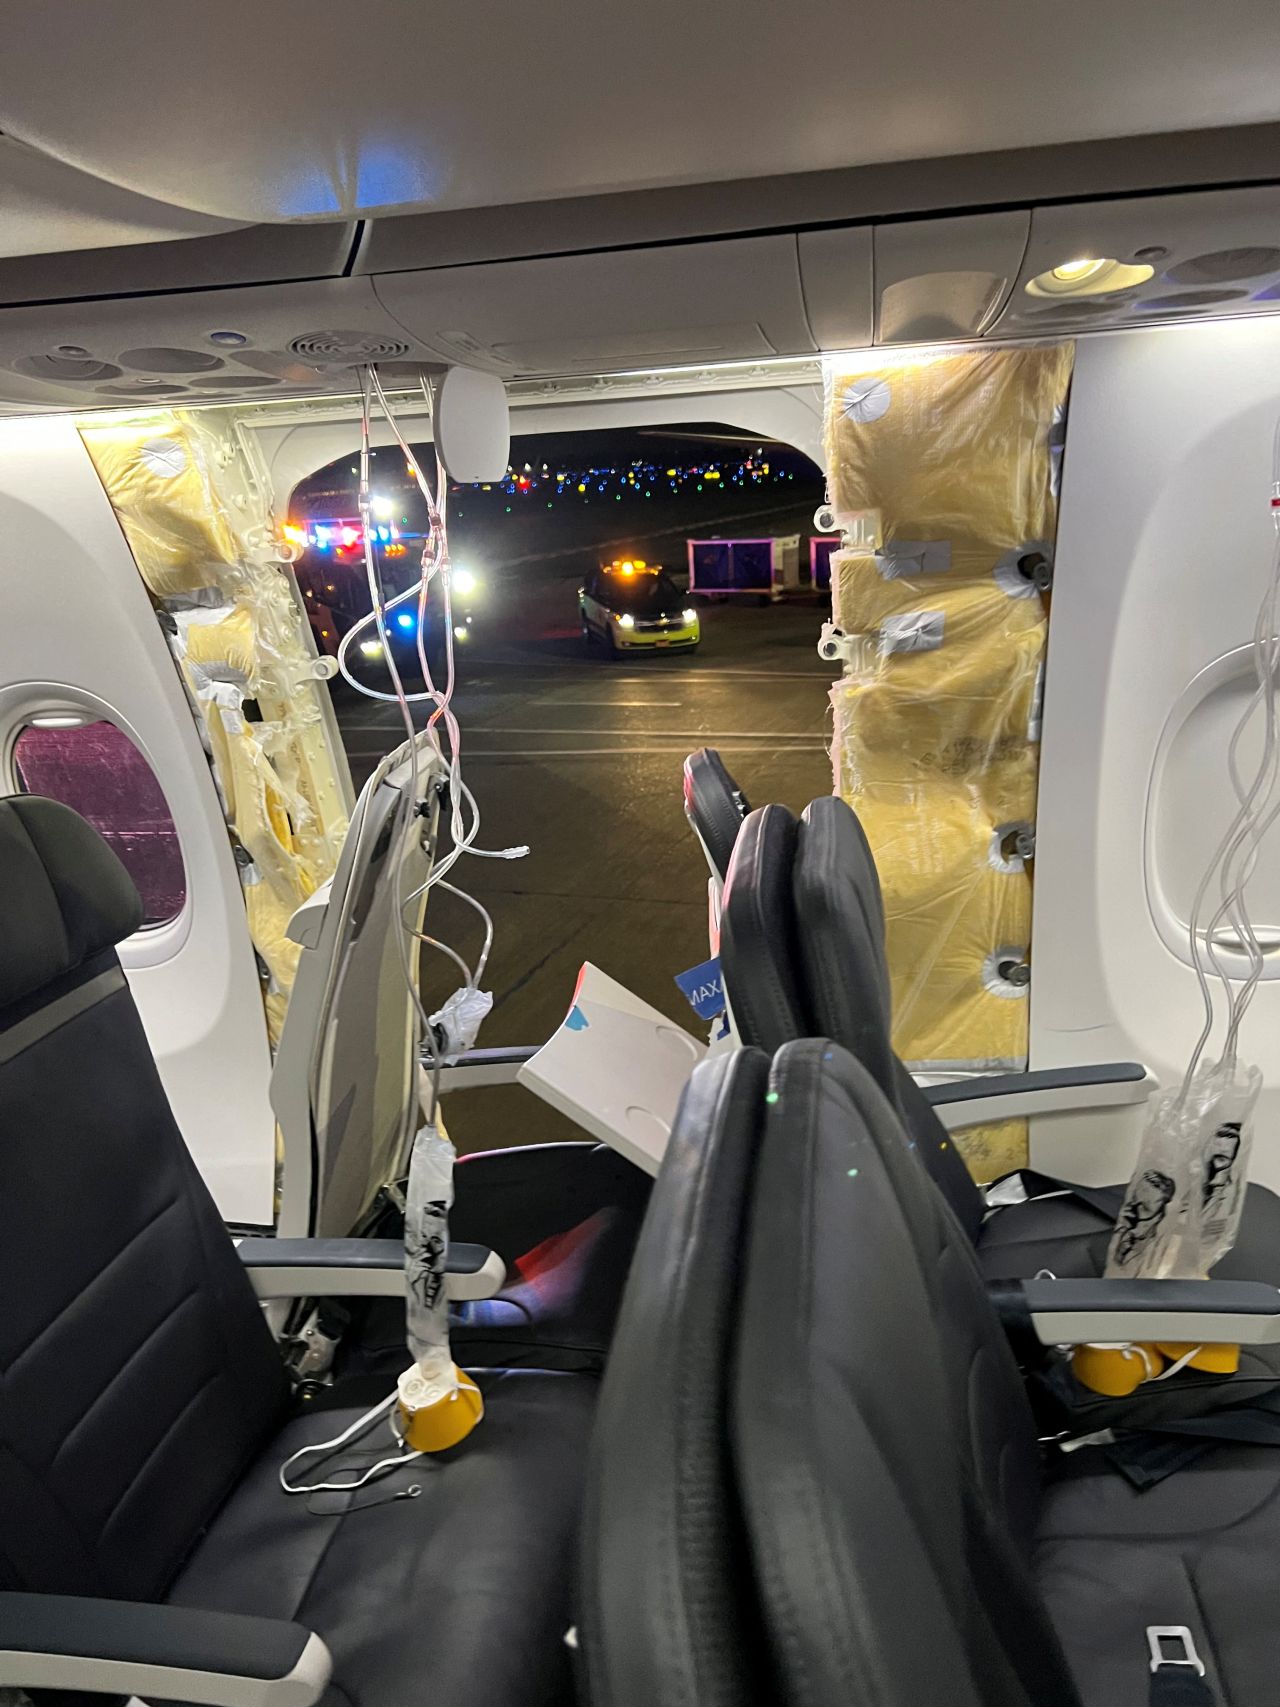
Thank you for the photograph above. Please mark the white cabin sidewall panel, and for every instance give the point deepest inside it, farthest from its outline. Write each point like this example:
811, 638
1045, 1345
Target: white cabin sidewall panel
76, 615
1163, 553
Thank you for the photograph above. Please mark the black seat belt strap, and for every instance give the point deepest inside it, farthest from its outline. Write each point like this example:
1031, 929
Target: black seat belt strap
1105, 1199
1177, 1671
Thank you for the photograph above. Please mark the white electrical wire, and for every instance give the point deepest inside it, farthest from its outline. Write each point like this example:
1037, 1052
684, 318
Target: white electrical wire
442, 735
1236, 856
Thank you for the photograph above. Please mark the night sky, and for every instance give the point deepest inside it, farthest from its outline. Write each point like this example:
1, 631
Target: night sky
566, 530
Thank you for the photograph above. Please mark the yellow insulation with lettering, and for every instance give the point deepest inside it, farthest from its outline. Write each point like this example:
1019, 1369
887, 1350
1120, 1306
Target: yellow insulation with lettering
948, 463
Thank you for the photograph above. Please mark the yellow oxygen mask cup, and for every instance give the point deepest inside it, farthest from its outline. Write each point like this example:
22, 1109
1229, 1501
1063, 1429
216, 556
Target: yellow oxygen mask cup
438, 1404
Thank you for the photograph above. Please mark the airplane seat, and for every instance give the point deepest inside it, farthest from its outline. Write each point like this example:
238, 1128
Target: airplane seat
146, 1413
757, 933
1067, 1235
346, 1089
900, 1528
802, 954
715, 807
667, 1614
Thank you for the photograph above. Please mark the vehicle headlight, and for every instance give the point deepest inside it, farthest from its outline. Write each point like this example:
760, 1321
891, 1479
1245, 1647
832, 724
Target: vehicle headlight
626, 620
371, 648
464, 582
690, 615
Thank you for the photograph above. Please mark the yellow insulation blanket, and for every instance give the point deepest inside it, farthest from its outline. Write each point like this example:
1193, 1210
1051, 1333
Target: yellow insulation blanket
158, 484
936, 715
196, 518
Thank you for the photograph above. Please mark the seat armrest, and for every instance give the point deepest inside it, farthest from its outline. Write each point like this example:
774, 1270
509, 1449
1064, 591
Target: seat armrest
1112, 1312
361, 1268
1047, 1090
481, 1068
170, 1653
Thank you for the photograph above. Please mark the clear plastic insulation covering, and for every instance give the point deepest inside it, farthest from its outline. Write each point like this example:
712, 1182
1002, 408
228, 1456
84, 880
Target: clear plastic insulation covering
943, 477
194, 504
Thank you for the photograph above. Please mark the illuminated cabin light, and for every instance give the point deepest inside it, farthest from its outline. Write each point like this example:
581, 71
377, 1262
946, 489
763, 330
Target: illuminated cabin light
1089, 276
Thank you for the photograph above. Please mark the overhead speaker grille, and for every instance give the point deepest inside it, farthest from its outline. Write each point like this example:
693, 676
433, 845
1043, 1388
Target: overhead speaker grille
347, 348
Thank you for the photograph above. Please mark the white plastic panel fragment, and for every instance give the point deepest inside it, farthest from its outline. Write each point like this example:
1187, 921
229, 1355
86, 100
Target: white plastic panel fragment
77, 618
1164, 545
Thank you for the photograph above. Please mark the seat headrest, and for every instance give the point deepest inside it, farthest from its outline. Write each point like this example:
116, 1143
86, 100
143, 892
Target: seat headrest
714, 805
64, 896
757, 932
839, 925
840, 935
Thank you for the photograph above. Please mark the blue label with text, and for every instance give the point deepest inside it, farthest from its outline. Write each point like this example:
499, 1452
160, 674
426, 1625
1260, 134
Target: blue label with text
702, 988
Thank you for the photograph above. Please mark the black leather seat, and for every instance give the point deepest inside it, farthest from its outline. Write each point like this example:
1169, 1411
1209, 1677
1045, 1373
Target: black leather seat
714, 805
802, 950
145, 1414
905, 1547
667, 1617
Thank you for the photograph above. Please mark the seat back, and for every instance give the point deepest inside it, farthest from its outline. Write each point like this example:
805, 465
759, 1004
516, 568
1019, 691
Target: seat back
665, 1617
136, 1374
839, 935
715, 807
884, 1451
345, 1083
759, 961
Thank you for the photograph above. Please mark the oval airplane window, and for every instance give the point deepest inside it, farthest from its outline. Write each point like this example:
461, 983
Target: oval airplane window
94, 767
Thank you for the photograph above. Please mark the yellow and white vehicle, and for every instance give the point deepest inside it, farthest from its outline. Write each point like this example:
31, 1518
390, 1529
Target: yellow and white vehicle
636, 606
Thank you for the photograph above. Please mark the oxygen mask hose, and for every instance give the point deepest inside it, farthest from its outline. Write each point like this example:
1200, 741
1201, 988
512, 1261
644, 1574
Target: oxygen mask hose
439, 1404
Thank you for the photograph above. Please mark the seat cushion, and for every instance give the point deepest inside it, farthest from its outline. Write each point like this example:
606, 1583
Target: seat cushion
1199, 1549
564, 1218
1069, 1238
460, 1594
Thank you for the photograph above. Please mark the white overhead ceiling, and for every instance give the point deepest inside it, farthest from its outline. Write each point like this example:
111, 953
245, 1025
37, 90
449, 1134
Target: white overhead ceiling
313, 109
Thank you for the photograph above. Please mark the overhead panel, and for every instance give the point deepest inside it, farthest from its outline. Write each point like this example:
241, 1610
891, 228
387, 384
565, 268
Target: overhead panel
220, 345
938, 279
50, 208
836, 273
1147, 261
681, 304
255, 254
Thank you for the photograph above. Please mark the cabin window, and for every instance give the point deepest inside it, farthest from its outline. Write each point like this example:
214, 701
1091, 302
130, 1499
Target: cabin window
95, 768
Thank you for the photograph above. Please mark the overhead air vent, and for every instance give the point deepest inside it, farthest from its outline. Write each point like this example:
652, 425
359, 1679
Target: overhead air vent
136, 388
163, 358
65, 370
1224, 266
347, 348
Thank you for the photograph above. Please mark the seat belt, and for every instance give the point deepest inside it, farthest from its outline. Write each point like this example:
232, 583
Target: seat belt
1105, 1199
1177, 1678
